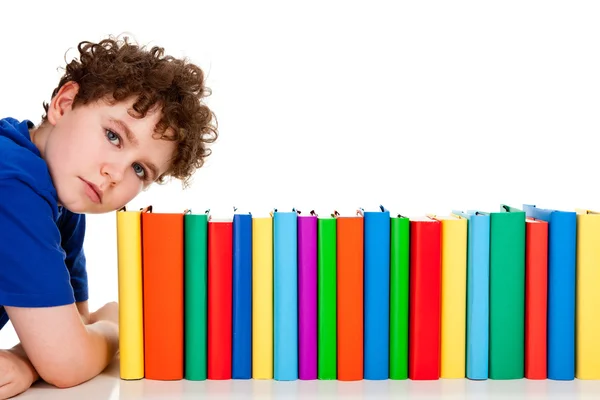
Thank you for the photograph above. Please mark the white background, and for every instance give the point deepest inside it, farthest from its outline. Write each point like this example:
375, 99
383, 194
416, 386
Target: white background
423, 107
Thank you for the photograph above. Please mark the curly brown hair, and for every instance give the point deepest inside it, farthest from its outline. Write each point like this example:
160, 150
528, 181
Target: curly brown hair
116, 69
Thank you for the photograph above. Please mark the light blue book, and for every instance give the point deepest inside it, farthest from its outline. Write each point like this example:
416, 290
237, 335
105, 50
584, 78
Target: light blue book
478, 274
285, 295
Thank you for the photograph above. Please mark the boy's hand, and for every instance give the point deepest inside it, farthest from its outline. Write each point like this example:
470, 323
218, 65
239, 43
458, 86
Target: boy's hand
108, 312
16, 373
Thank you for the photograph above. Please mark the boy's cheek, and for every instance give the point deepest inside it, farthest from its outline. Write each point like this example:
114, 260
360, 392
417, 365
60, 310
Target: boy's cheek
125, 194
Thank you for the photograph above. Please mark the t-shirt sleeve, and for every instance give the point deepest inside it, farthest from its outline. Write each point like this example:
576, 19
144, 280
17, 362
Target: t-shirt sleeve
72, 230
33, 272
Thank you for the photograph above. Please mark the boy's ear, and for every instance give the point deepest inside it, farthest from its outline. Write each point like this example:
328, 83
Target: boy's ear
62, 101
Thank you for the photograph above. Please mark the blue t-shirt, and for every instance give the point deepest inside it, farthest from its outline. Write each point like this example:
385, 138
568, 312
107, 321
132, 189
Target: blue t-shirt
42, 263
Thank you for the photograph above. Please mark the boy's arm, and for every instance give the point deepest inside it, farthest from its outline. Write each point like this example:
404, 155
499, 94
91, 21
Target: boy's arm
63, 350
19, 352
72, 230
82, 308
38, 290
84, 311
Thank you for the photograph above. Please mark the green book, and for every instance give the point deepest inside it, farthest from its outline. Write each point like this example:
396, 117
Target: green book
399, 294
507, 294
327, 309
195, 287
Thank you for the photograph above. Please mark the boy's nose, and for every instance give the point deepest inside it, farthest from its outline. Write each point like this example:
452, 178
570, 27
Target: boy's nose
113, 172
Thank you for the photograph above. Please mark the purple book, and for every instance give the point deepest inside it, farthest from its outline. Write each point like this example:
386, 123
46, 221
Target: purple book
307, 297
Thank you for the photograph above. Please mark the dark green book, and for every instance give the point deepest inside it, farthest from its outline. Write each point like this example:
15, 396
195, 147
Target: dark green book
195, 288
327, 305
507, 294
399, 294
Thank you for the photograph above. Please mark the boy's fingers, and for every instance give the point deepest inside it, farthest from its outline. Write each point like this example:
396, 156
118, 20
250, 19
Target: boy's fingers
8, 390
5, 379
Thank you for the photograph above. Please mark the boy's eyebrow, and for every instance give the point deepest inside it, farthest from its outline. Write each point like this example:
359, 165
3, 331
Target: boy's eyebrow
123, 126
129, 134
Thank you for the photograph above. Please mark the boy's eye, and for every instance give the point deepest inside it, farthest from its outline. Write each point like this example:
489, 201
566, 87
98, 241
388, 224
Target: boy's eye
112, 137
139, 170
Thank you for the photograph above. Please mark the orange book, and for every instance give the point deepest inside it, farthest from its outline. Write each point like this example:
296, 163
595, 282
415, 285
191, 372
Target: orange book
162, 252
350, 296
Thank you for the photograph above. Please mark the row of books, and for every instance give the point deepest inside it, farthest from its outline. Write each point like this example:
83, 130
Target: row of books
508, 294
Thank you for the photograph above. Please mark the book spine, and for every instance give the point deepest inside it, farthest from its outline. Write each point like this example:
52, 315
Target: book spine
327, 293
131, 310
453, 294
350, 299
425, 281
478, 273
163, 295
588, 297
241, 346
536, 297
307, 297
399, 294
220, 253
285, 270
262, 298
561, 295
507, 295
377, 294
195, 283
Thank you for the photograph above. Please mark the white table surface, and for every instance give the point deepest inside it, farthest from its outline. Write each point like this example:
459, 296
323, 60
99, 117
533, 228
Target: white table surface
108, 386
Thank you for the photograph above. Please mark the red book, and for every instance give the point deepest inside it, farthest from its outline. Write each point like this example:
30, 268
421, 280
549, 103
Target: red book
220, 267
162, 241
536, 297
425, 298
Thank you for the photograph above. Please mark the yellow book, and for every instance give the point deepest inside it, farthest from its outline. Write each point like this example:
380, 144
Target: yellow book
262, 298
453, 296
131, 325
587, 309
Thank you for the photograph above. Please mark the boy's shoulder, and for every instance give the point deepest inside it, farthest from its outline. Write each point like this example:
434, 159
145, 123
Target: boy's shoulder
43, 263
21, 162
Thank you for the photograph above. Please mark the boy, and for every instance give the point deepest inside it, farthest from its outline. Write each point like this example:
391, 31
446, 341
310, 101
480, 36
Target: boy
121, 118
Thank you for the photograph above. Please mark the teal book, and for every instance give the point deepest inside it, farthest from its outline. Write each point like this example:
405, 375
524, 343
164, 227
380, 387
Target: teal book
507, 293
195, 307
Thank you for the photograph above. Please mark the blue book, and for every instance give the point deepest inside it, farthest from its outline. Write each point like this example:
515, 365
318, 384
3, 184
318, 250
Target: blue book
562, 244
376, 293
241, 350
285, 295
478, 284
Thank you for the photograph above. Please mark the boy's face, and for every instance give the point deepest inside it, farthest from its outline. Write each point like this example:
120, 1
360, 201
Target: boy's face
95, 165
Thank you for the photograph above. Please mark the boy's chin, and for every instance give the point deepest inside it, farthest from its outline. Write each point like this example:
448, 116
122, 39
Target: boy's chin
78, 209
82, 207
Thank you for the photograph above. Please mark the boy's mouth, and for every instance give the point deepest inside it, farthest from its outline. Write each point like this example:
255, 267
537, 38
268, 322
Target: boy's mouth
93, 192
